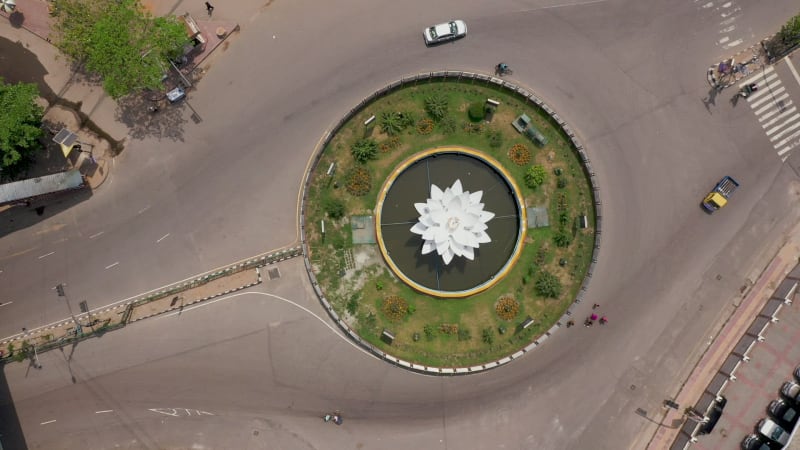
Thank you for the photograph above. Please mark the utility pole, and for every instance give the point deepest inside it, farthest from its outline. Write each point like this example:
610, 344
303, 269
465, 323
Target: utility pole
61, 293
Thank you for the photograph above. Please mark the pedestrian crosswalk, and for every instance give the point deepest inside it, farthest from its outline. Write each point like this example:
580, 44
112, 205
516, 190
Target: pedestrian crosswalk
775, 111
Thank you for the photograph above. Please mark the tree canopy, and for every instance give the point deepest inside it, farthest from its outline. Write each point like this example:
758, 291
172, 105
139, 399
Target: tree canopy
20, 125
119, 41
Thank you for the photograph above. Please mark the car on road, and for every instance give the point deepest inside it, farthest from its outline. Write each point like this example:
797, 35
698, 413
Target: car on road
783, 413
772, 431
445, 32
756, 442
791, 391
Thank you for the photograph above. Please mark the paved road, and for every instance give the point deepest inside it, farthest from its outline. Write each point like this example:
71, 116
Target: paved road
628, 75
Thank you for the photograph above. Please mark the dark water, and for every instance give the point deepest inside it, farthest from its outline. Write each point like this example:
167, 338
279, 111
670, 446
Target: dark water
399, 215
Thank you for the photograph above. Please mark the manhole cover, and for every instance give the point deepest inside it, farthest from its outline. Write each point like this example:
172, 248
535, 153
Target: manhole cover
273, 273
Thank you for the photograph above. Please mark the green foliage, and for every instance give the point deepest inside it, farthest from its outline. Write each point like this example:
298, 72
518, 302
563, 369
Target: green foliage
534, 176
502, 329
561, 183
411, 309
20, 125
358, 181
352, 304
487, 336
548, 285
495, 138
563, 218
364, 150
334, 207
448, 125
430, 332
476, 112
436, 106
787, 38
379, 285
464, 334
370, 321
118, 40
562, 239
392, 123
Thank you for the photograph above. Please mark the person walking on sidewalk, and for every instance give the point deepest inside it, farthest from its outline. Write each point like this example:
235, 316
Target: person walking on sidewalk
209, 8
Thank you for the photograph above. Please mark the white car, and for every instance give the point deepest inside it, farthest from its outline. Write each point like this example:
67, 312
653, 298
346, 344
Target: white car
445, 32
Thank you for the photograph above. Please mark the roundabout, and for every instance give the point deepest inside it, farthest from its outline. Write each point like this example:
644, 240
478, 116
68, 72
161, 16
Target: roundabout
450, 223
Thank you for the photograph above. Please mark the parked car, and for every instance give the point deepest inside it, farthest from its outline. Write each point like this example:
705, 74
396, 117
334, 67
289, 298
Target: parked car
772, 431
445, 32
791, 391
783, 413
757, 442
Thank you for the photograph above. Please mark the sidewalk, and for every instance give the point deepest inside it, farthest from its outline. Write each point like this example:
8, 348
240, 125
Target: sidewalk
694, 387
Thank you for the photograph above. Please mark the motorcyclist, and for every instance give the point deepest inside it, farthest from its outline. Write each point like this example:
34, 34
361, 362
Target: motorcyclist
502, 68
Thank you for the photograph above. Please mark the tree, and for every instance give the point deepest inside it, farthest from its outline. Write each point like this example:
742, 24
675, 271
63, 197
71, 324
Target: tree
20, 125
534, 176
120, 41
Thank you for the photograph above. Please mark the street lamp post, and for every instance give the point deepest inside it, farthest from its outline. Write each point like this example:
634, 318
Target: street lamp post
61, 293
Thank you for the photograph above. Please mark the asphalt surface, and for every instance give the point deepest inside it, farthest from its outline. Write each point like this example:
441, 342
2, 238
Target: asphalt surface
628, 76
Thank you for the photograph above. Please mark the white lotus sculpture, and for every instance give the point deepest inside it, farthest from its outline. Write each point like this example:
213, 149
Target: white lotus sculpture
452, 222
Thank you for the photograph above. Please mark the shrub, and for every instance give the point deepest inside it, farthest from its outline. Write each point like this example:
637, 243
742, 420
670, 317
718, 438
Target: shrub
415, 336
495, 138
429, 331
562, 239
519, 154
363, 150
395, 308
548, 285
449, 328
425, 126
448, 125
464, 334
563, 218
507, 308
534, 176
476, 112
358, 181
561, 183
473, 128
487, 335
352, 304
379, 285
436, 106
334, 207
501, 329
390, 144
392, 123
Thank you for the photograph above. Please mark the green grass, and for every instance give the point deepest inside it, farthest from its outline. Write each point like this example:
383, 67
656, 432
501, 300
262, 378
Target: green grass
475, 313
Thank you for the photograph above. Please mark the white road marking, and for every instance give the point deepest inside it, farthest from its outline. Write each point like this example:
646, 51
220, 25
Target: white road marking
792, 69
708, 5
45, 256
6, 303
724, 40
162, 238
727, 5
104, 411
785, 129
728, 29
96, 234
767, 96
734, 43
49, 421
758, 76
143, 209
773, 104
769, 114
787, 139
112, 265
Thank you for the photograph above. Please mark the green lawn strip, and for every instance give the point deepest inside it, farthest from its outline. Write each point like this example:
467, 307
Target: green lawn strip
476, 313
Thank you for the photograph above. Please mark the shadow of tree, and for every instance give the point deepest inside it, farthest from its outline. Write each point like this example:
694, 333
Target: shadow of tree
16, 19
138, 114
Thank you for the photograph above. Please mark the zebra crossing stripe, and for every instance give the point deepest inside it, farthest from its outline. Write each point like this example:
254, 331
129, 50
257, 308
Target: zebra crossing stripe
783, 142
757, 76
784, 132
772, 104
767, 96
778, 117
778, 127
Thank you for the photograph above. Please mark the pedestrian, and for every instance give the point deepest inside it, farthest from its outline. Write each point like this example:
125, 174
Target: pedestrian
593, 316
209, 8
587, 322
570, 323
603, 320
595, 306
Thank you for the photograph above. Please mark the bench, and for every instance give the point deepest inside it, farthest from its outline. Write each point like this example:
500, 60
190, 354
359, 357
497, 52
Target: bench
521, 122
534, 135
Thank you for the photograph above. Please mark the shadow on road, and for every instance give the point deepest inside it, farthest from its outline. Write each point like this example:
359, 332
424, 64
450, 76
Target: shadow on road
136, 112
15, 218
11, 436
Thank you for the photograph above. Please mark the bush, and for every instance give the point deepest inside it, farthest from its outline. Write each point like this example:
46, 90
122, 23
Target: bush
334, 207
464, 334
352, 304
507, 308
364, 150
392, 123
395, 308
561, 183
501, 329
476, 112
358, 181
519, 154
548, 285
534, 176
430, 332
425, 126
495, 138
448, 125
436, 106
487, 335
562, 239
